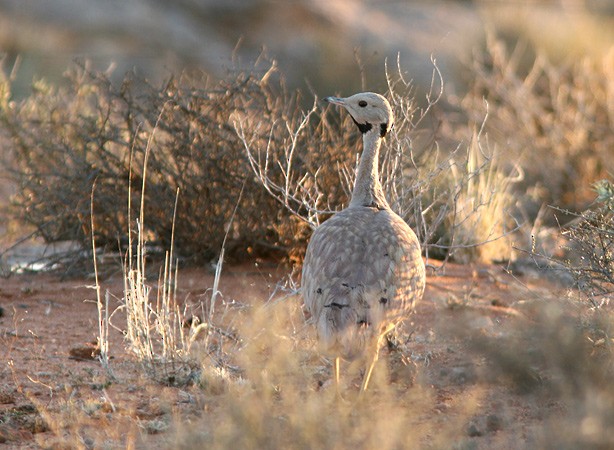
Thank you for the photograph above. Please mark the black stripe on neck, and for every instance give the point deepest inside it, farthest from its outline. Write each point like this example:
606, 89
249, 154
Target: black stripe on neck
383, 129
363, 127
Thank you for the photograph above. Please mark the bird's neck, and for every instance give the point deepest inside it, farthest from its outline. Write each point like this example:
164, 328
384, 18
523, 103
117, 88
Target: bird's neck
367, 187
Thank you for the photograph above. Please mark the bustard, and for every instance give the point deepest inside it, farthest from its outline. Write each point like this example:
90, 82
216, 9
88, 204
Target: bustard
363, 271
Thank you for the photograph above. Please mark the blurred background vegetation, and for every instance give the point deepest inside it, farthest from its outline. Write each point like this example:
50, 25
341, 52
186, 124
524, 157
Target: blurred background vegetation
544, 68
316, 43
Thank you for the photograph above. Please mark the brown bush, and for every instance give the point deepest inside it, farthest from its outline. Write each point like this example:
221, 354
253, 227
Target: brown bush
65, 139
243, 142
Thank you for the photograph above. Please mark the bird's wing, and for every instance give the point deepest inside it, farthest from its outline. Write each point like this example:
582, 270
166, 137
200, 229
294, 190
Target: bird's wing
360, 258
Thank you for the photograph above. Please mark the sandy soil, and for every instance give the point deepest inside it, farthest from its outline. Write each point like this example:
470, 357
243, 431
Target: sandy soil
48, 328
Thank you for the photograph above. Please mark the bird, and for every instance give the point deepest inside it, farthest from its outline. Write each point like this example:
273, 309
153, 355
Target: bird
363, 271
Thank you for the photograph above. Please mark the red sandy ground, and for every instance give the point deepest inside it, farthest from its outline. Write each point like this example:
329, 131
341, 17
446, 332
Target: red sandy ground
45, 319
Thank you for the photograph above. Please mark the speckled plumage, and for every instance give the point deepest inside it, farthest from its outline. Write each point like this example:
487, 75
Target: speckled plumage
363, 271
366, 263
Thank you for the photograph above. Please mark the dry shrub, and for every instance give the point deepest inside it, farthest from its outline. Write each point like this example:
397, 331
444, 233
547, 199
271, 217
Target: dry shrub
591, 242
584, 257
63, 139
242, 142
554, 121
424, 184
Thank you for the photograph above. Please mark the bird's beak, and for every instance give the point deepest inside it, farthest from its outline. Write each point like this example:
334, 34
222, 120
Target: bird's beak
335, 100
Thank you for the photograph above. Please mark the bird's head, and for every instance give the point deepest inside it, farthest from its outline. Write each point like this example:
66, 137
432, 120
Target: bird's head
369, 111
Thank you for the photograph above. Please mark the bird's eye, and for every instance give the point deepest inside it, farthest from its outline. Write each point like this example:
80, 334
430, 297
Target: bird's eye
362, 103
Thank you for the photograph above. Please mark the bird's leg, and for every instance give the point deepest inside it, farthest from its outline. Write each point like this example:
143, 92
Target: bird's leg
378, 344
337, 362
367, 377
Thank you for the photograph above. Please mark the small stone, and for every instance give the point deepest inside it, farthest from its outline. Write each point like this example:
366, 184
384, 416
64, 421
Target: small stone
89, 351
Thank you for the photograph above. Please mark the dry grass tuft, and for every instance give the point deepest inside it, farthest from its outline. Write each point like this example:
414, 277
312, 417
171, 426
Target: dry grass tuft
280, 402
484, 208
